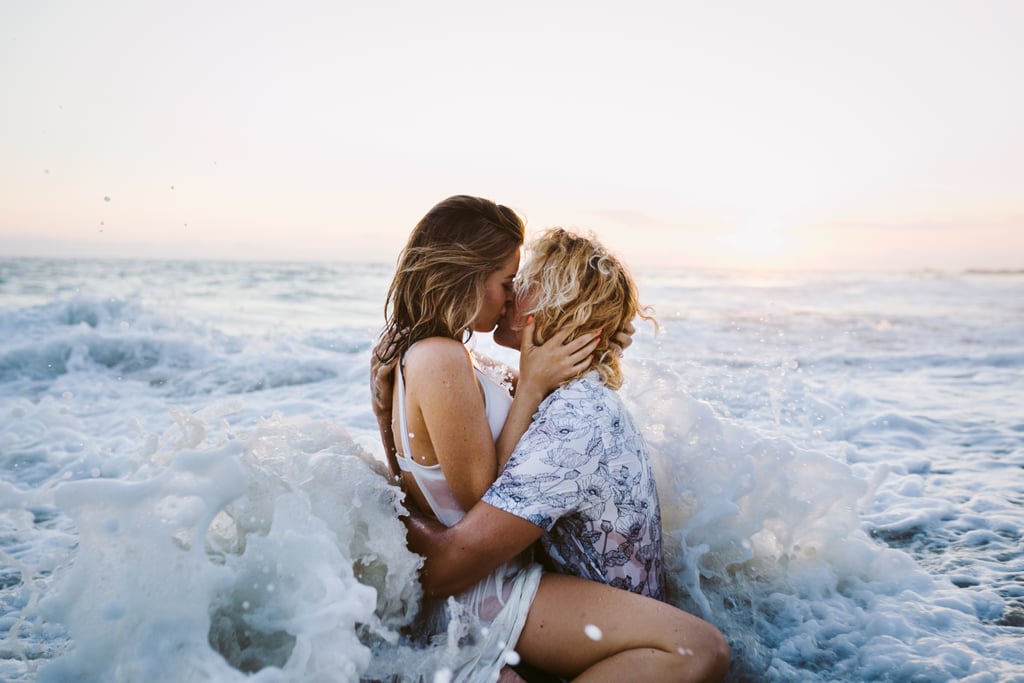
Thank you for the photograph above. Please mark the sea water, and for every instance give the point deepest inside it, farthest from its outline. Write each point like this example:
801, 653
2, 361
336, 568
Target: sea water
190, 486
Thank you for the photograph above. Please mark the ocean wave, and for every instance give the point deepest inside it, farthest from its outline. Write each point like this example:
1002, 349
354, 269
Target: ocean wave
280, 551
132, 341
277, 550
769, 545
836, 465
81, 351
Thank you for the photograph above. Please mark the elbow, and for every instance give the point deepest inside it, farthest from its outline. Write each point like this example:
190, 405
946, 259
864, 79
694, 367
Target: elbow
438, 585
474, 492
432, 589
431, 582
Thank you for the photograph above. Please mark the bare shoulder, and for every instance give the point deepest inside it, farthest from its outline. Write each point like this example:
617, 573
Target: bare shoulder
438, 357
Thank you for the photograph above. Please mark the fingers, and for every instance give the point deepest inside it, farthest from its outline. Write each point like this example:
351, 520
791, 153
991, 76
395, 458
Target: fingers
625, 337
580, 350
584, 352
381, 384
582, 347
526, 341
584, 339
577, 353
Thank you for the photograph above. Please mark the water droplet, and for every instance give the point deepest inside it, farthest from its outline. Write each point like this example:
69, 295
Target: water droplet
411, 435
245, 604
443, 676
593, 632
113, 610
685, 651
512, 658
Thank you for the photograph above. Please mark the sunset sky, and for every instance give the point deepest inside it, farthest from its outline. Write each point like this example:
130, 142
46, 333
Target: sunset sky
854, 135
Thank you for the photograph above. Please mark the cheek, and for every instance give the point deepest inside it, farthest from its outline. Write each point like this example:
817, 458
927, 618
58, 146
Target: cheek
498, 296
493, 299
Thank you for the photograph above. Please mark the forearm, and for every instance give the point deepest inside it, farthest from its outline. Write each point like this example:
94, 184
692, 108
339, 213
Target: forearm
458, 557
542, 369
387, 438
446, 570
381, 394
520, 415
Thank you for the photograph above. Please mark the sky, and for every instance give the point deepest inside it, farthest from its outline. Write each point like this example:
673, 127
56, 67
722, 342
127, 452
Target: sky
880, 135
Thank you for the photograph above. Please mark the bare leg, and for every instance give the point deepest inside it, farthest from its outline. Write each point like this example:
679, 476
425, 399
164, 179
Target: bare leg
509, 676
599, 633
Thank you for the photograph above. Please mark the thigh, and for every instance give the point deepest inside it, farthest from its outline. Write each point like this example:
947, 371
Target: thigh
575, 623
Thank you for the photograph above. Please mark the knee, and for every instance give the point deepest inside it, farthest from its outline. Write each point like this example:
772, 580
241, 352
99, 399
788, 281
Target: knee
713, 654
705, 656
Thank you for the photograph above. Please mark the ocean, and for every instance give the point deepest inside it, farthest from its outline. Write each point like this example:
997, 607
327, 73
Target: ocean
189, 487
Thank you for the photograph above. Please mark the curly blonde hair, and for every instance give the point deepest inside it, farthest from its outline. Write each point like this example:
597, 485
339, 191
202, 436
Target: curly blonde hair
437, 290
572, 281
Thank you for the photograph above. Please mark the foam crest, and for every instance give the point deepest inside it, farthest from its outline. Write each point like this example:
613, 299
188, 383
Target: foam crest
764, 539
39, 440
94, 335
276, 552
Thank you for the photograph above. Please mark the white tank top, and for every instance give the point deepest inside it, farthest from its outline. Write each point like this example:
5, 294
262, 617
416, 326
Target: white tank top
430, 478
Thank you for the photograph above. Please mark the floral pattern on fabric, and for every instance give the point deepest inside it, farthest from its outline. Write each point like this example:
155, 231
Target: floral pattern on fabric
582, 472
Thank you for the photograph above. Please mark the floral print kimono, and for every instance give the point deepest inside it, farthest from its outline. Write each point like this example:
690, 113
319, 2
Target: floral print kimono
582, 472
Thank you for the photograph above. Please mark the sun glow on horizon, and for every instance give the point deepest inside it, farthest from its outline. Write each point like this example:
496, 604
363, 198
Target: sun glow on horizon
762, 241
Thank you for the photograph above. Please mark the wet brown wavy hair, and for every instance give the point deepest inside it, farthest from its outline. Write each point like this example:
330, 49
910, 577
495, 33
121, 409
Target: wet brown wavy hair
437, 290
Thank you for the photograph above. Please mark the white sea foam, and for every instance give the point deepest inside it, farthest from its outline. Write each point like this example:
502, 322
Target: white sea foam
277, 551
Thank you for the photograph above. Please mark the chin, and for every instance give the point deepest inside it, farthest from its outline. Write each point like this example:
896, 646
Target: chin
507, 338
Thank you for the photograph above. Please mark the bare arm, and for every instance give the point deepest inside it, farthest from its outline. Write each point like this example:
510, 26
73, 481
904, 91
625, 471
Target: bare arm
382, 377
453, 429
458, 557
541, 370
447, 419
544, 368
